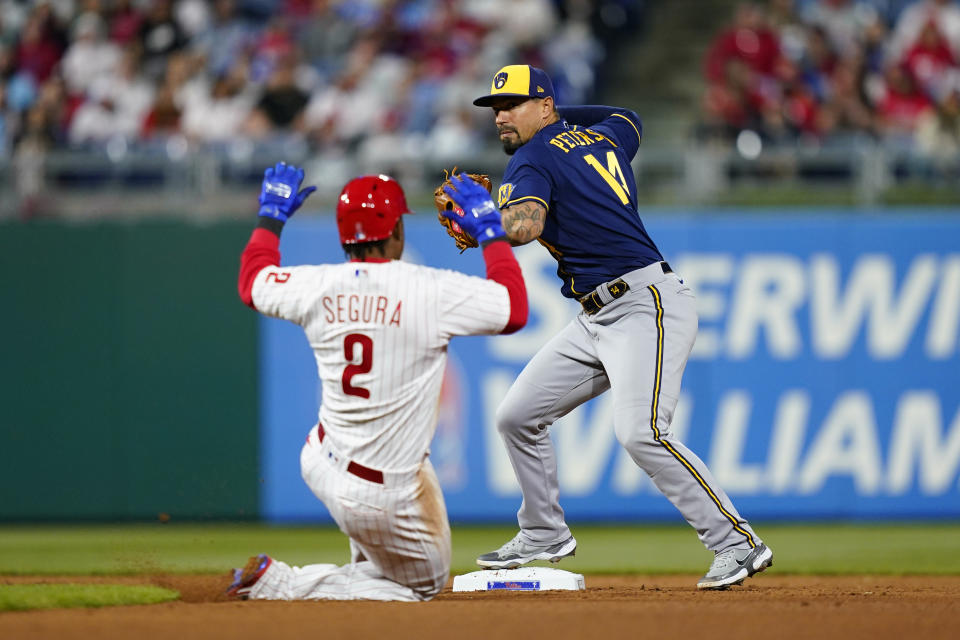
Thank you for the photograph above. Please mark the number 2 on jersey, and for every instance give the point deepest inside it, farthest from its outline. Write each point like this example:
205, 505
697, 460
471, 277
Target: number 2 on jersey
366, 362
611, 174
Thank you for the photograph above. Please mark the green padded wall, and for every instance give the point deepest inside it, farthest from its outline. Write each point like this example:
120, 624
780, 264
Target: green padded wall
128, 384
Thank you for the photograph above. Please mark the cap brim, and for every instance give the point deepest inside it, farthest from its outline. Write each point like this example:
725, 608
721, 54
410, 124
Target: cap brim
486, 101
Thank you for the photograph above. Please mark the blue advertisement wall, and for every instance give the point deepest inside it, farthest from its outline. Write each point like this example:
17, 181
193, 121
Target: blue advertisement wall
825, 381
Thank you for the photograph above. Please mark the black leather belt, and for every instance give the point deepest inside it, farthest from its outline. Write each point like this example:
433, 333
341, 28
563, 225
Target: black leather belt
357, 469
592, 303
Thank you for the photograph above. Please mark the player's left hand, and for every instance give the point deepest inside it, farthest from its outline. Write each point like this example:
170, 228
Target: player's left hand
279, 195
481, 217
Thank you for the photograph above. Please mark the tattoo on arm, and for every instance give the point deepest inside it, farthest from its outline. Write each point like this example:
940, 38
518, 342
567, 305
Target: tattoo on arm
524, 221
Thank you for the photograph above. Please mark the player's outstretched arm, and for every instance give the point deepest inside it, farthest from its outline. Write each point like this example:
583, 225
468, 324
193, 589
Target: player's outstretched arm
280, 197
520, 223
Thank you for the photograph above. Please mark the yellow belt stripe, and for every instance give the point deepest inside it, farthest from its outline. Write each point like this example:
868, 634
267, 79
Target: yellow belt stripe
654, 406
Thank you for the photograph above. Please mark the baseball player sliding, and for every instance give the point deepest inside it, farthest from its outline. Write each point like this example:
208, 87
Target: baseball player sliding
379, 330
569, 185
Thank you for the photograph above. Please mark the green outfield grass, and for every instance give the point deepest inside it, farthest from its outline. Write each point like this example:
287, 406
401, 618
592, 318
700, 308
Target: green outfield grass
190, 548
20, 597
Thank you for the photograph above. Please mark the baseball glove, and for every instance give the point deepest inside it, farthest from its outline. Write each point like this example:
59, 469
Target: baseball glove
443, 203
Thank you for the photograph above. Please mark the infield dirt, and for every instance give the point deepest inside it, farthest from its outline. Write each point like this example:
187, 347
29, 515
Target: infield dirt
767, 606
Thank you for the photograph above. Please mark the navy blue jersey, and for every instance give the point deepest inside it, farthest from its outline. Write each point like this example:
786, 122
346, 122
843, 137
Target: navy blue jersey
583, 177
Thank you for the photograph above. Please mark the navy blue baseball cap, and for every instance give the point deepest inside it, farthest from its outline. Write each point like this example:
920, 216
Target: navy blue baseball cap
518, 81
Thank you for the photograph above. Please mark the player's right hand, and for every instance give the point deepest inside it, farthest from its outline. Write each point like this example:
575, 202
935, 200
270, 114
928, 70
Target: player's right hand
481, 218
279, 195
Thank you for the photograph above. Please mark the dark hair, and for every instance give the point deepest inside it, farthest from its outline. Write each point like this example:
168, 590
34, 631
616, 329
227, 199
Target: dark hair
360, 250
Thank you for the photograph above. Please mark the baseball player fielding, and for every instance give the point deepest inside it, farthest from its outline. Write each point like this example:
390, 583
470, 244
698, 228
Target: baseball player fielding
569, 186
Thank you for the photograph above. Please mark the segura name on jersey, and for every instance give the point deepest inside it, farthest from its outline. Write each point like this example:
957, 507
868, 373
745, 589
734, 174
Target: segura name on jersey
362, 308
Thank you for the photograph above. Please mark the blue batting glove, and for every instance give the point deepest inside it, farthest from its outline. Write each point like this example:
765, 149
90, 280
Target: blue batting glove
481, 218
279, 198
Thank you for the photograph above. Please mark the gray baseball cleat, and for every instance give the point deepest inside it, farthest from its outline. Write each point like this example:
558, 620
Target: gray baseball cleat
733, 566
517, 552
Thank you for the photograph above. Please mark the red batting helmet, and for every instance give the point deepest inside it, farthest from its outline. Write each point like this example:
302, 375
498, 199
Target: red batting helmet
369, 208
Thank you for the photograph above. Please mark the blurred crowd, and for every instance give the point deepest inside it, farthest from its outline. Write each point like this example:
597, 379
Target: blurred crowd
833, 71
368, 77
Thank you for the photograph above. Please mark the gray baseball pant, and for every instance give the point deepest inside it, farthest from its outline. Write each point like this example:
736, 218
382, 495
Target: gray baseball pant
636, 346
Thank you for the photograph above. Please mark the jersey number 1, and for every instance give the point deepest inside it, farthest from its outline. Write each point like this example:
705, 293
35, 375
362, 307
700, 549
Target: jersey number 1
366, 362
612, 174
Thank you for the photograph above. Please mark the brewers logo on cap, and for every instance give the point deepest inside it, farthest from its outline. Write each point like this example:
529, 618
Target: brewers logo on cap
518, 80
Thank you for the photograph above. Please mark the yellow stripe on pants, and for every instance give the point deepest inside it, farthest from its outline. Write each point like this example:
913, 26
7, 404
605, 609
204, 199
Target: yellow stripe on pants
656, 432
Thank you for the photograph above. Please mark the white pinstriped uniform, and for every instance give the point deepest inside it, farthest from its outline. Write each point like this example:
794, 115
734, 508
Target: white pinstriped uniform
379, 332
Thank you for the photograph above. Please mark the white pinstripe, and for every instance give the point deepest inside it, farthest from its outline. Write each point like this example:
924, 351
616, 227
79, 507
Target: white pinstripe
398, 530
